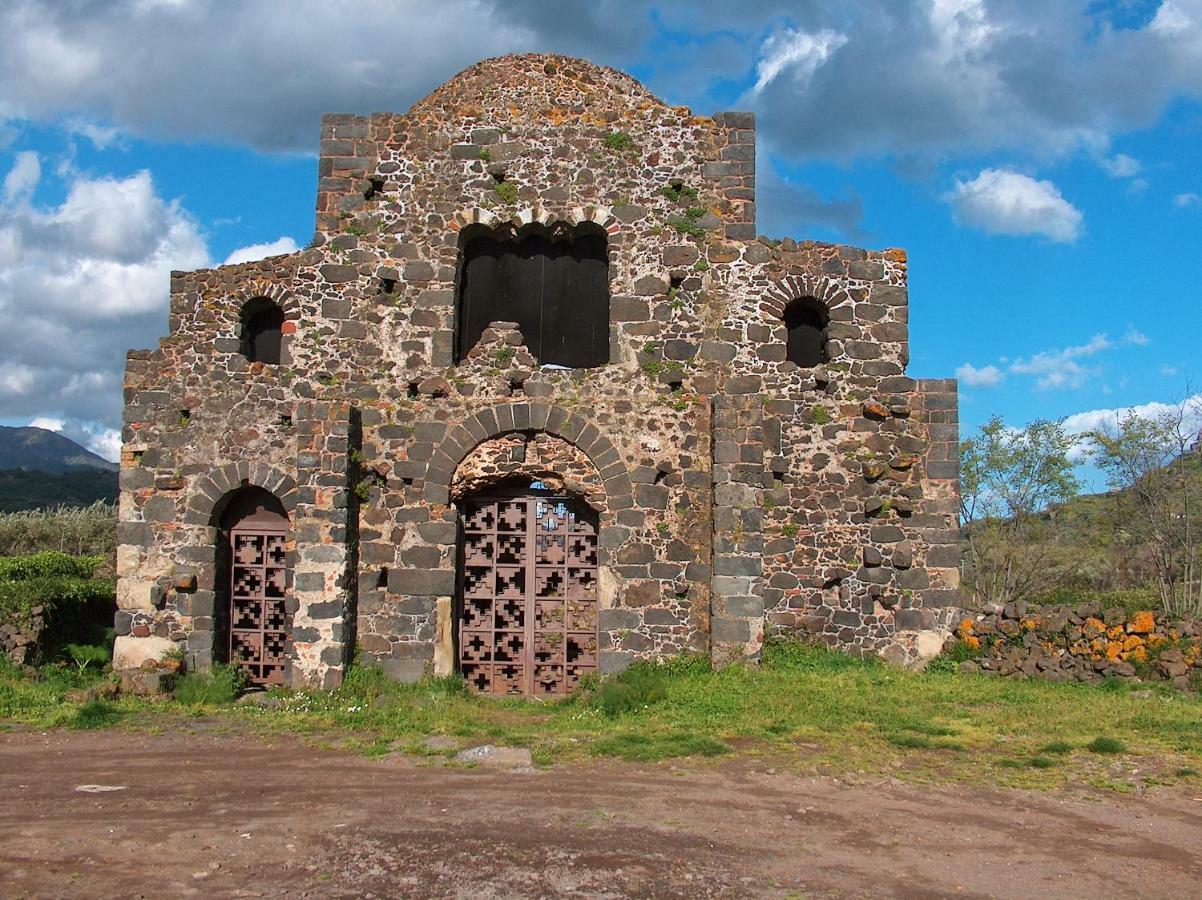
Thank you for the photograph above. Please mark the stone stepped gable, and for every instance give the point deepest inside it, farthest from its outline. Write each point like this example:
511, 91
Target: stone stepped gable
536, 402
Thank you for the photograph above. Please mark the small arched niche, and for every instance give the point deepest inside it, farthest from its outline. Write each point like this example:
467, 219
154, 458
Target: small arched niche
553, 282
262, 333
806, 320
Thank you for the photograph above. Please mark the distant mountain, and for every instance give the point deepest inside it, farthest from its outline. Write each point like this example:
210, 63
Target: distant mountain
46, 451
22, 489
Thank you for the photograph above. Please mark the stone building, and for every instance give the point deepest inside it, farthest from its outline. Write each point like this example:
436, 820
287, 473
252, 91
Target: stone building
536, 401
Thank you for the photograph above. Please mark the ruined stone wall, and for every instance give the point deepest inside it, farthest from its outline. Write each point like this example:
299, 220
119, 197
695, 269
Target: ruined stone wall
728, 503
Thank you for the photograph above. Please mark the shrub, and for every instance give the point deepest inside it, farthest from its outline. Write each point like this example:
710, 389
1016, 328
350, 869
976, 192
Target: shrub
221, 684
642, 685
90, 530
76, 608
507, 192
1102, 744
618, 140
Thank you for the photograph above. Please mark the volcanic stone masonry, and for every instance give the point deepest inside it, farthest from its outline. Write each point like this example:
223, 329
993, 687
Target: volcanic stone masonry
301, 448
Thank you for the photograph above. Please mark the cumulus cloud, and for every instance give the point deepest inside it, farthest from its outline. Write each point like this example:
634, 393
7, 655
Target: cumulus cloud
986, 376
1000, 201
104, 442
858, 78
1186, 200
261, 251
23, 177
81, 281
1082, 423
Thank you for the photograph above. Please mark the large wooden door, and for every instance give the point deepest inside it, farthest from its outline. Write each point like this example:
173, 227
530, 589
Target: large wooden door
528, 610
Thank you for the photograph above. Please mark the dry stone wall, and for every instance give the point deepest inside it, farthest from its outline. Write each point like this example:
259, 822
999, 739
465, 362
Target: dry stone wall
737, 493
1080, 643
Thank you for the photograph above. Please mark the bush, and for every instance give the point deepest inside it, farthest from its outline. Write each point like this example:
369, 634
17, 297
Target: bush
89, 530
221, 684
642, 685
1103, 744
76, 608
85, 655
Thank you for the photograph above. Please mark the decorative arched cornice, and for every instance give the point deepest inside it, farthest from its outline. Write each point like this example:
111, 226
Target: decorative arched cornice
496, 421
828, 292
208, 490
601, 216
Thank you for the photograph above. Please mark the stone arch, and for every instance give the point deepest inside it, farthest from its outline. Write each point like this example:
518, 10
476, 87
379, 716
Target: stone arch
281, 294
781, 293
561, 466
496, 421
601, 216
212, 491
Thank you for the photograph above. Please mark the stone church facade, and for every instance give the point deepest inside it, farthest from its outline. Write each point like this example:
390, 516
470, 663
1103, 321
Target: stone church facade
536, 402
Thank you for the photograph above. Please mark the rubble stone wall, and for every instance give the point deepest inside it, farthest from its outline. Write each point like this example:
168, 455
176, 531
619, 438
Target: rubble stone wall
1080, 643
738, 494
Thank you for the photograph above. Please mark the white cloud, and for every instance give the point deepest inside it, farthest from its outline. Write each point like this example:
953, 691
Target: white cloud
1121, 166
1170, 19
1186, 200
1095, 419
986, 376
873, 77
1135, 338
1001, 201
104, 442
1061, 368
796, 52
261, 251
81, 282
23, 177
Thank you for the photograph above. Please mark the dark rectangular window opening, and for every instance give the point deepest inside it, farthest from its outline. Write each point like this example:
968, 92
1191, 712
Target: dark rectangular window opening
556, 287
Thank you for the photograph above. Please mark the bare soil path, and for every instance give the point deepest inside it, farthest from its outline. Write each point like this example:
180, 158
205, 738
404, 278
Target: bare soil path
222, 815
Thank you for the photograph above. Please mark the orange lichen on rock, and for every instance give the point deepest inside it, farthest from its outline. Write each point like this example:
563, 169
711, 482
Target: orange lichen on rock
1143, 622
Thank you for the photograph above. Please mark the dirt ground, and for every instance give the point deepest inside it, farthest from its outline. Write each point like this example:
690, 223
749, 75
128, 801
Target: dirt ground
229, 815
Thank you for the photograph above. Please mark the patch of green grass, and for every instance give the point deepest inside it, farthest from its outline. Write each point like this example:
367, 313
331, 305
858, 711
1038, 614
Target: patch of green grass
220, 685
1186, 772
1042, 762
95, 714
638, 747
1103, 744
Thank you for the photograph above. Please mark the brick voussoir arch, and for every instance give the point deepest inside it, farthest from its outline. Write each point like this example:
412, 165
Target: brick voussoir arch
543, 417
211, 488
281, 294
827, 291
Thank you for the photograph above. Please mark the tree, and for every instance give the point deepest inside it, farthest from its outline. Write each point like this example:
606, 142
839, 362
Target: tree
1154, 468
1008, 479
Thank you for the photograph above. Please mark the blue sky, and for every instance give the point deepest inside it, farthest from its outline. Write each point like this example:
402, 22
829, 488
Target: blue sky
1038, 162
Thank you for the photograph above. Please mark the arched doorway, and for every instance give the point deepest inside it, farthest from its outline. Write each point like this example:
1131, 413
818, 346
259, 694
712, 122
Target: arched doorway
527, 611
255, 579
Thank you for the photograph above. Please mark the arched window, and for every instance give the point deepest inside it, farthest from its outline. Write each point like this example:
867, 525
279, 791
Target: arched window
262, 330
806, 320
555, 287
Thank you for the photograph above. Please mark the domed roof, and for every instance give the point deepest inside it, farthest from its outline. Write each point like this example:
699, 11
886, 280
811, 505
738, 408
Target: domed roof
536, 85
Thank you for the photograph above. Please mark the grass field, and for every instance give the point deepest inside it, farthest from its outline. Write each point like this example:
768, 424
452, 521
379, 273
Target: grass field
806, 708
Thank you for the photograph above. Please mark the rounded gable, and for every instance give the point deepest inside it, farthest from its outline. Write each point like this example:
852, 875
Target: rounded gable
536, 86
